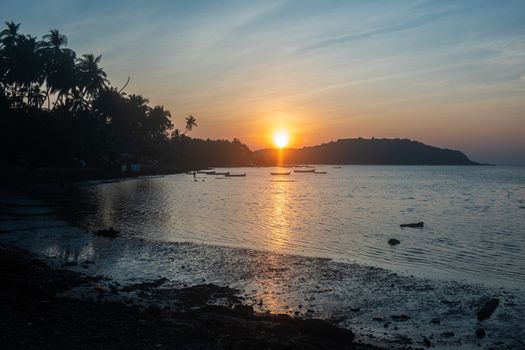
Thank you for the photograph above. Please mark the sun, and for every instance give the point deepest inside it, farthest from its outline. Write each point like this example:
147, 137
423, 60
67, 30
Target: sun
281, 139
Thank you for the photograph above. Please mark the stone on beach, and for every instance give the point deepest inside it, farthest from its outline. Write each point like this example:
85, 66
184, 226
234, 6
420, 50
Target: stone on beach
110, 232
393, 241
480, 333
486, 311
400, 318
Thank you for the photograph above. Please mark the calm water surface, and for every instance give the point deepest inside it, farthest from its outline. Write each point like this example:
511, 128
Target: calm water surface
474, 216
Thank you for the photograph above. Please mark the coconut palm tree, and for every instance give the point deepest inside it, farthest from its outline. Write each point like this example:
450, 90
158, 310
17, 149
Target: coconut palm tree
158, 123
191, 122
55, 40
91, 78
60, 67
9, 35
25, 68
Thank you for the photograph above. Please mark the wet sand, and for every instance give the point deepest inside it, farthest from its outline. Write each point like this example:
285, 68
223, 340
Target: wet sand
38, 313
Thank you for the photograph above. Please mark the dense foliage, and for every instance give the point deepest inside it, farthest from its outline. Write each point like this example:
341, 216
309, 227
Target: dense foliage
58, 108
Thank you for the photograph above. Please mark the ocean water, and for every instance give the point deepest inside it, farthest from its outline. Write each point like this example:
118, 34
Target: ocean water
307, 245
474, 217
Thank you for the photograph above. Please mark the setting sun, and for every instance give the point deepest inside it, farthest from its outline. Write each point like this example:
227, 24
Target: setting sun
281, 139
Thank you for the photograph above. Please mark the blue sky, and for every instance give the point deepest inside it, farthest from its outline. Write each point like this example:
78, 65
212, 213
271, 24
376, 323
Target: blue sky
448, 73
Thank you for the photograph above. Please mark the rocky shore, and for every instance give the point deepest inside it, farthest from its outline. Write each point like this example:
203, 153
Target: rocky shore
40, 312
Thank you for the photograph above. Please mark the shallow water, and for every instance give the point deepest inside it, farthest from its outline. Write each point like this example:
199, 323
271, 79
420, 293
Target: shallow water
474, 216
313, 246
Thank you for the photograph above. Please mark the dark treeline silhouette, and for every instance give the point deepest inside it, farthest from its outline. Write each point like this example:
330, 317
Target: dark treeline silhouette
58, 108
203, 153
366, 151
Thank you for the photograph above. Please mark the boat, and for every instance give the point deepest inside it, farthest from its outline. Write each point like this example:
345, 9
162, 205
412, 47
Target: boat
285, 173
205, 172
319, 172
225, 173
236, 175
304, 171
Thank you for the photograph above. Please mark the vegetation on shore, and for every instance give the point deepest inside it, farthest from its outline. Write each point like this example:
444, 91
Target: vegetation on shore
58, 108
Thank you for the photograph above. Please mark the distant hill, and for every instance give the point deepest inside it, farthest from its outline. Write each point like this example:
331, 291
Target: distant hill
366, 151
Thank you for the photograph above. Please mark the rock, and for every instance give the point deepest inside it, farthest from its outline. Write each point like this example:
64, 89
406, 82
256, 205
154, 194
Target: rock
145, 285
480, 333
447, 334
427, 342
393, 241
416, 224
326, 329
356, 309
400, 318
110, 233
486, 311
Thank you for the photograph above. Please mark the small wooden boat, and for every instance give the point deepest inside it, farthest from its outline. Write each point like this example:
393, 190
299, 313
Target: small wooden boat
304, 171
319, 172
206, 172
285, 173
236, 175
225, 173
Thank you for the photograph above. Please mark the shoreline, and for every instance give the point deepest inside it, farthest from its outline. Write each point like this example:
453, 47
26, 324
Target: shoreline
370, 319
38, 315
64, 174
42, 175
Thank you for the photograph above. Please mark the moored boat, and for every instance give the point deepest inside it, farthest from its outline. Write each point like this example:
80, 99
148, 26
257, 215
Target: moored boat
282, 173
225, 173
304, 171
236, 175
319, 172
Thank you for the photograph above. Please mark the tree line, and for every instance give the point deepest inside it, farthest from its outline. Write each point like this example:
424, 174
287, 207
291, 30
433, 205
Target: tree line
59, 108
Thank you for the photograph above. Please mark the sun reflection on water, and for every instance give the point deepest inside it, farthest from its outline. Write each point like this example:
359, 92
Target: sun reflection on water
279, 234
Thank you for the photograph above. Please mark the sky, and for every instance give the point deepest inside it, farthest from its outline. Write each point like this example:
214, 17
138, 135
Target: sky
446, 73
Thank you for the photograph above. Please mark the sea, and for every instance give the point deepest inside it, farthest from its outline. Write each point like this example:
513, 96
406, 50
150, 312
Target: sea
309, 244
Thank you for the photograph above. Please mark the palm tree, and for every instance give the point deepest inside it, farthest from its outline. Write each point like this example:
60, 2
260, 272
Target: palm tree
9, 35
24, 71
55, 40
158, 123
191, 122
92, 78
60, 67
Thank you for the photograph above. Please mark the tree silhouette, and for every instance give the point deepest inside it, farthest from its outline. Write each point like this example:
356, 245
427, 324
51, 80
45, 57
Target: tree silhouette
9, 35
91, 78
55, 40
85, 118
191, 122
